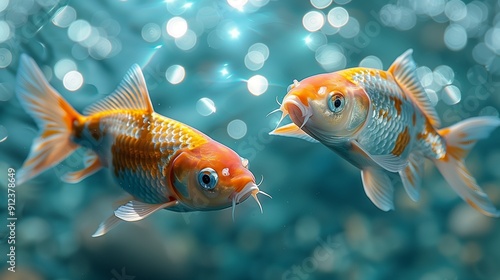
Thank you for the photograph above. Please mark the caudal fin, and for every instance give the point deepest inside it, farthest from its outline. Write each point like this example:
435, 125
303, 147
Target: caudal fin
460, 138
53, 115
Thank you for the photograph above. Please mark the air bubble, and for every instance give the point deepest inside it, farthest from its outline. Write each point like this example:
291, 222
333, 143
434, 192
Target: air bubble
237, 129
151, 32
205, 106
175, 74
451, 95
313, 21
338, 17
177, 27
186, 42
64, 16
371, 61
73, 80
455, 37
5, 57
257, 85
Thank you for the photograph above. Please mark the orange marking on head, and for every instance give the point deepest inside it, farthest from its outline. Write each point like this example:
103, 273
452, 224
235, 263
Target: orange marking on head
397, 104
401, 142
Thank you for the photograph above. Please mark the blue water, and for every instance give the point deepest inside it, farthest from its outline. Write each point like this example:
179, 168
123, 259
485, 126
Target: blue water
220, 66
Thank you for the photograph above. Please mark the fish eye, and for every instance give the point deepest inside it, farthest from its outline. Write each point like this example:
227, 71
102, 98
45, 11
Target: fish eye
208, 178
336, 102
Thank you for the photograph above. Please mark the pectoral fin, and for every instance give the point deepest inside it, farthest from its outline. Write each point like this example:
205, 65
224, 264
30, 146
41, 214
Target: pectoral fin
92, 165
411, 176
292, 130
388, 162
378, 188
107, 225
135, 210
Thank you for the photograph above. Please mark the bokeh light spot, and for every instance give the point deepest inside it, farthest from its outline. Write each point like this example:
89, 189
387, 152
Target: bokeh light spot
260, 47
451, 95
257, 85
350, 29
3, 4
79, 30
331, 57
455, 10
4, 31
254, 60
177, 27
64, 16
151, 32
315, 40
5, 57
186, 42
64, 66
444, 75
237, 129
237, 4
73, 80
338, 17
313, 21
205, 106
321, 4
175, 74
371, 61
455, 37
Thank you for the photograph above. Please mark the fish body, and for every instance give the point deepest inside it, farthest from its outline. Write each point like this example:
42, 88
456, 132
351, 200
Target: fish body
383, 122
160, 162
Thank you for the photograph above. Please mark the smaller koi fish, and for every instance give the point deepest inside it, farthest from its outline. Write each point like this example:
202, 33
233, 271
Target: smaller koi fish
160, 162
382, 122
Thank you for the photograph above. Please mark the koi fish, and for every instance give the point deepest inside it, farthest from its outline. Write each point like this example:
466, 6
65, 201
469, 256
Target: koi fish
383, 123
160, 162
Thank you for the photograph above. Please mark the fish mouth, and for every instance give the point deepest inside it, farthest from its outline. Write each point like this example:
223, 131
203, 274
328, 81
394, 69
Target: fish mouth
250, 189
299, 113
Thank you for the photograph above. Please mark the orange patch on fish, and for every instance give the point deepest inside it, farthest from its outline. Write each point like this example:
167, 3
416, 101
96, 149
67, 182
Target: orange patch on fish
401, 142
384, 114
397, 104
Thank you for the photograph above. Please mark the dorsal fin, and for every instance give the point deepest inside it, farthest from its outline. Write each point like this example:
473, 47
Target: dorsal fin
404, 71
131, 94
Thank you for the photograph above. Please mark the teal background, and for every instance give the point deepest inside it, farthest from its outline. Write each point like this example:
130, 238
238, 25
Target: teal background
319, 224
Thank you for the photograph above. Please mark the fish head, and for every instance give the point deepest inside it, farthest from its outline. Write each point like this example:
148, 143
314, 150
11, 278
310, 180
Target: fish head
212, 176
327, 105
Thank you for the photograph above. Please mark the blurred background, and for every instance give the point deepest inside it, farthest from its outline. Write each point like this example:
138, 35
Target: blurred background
220, 66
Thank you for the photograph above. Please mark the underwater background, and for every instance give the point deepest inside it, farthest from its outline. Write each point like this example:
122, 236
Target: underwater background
220, 66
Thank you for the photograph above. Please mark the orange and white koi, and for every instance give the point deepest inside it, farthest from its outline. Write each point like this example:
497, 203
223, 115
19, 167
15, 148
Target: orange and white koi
160, 162
383, 122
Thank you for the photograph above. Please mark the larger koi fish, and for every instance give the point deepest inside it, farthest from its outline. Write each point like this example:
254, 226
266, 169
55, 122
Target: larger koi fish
160, 162
383, 122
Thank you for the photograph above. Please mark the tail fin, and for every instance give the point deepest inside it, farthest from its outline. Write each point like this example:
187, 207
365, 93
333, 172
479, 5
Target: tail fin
460, 138
53, 115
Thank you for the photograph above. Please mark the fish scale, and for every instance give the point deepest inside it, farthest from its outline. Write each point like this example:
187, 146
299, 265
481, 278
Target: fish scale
141, 146
382, 131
